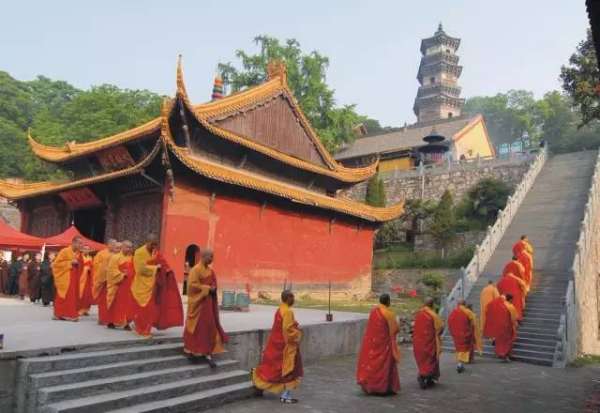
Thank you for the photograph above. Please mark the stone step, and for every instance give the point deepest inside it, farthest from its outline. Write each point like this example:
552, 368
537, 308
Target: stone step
547, 333
95, 358
194, 402
55, 378
87, 388
524, 359
533, 340
160, 392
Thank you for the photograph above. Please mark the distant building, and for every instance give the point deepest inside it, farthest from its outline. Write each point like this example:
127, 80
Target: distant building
438, 107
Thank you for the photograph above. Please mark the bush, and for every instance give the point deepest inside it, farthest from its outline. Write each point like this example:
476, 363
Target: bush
433, 280
375, 192
390, 233
407, 259
483, 202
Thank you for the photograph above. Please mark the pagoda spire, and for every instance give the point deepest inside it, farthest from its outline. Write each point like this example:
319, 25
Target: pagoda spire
217, 92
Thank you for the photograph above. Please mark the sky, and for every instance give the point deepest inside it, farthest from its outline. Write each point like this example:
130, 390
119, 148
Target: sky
373, 46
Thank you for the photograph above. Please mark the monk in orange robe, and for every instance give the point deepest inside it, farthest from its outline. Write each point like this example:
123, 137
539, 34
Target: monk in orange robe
516, 287
66, 269
514, 267
501, 325
144, 310
85, 282
203, 335
377, 371
99, 267
119, 275
522, 244
488, 294
427, 344
465, 333
280, 370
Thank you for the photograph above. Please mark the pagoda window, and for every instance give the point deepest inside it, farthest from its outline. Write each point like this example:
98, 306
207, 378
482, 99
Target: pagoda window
432, 80
450, 114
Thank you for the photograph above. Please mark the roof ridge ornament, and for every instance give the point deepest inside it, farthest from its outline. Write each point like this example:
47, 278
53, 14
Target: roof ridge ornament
277, 68
440, 29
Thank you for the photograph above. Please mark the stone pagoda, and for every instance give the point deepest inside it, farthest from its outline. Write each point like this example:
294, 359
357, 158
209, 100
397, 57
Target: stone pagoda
438, 96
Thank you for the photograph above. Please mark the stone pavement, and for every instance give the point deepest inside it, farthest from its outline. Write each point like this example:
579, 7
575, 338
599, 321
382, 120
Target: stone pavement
487, 386
28, 326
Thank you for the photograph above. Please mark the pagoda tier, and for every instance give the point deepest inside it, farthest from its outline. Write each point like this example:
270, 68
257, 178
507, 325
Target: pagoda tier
439, 40
437, 69
444, 88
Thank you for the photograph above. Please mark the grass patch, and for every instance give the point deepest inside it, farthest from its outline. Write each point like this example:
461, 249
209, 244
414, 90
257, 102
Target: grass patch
397, 258
402, 306
585, 360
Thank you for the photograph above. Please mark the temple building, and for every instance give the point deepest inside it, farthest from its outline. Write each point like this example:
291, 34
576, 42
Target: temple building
244, 174
438, 107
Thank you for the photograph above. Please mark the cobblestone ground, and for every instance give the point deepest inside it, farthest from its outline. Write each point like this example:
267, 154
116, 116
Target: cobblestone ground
487, 386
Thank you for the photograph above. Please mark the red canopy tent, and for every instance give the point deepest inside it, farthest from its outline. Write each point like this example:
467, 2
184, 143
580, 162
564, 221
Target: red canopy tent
10, 238
63, 239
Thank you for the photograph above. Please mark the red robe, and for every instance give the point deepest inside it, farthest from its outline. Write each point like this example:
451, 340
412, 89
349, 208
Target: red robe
168, 299
527, 262
66, 282
465, 333
203, 333
85, 287
281, 364
518, 247
500, 325
510, 285
119, 302
514, 267
377, 371
426, 342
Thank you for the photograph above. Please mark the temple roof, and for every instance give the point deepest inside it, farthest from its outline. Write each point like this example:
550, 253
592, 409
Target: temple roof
407, 138
209, 115
439, 37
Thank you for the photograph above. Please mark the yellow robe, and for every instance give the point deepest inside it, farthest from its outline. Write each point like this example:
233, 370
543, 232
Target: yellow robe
114, 276
489, 293
393, 327
61, 270
142, 287
438, 324
99, 266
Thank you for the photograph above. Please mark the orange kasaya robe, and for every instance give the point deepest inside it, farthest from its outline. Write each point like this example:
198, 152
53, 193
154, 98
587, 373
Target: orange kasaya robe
501, 325
143, 305
526, 261
118, 289
99, 267
523, 245
281, 365
515, 286
85, 286
489, 293
465, 332
66, 283
167, 296
427, 344
377, 370
203, 333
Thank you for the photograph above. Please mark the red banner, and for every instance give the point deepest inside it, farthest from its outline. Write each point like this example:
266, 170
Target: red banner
80, 198
115, 158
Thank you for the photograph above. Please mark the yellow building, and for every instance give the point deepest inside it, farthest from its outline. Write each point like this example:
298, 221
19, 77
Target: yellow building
466, 136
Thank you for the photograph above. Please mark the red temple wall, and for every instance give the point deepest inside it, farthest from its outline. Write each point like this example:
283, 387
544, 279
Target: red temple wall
263, 247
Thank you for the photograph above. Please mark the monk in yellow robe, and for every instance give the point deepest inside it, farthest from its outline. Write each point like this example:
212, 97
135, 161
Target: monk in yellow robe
143, 304
85, 282
119, 275
66, 269
203, 335
488, 294
99, 267
280, 369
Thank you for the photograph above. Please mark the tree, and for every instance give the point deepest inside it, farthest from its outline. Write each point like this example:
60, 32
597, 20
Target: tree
444, 222
581, 80
375, 195
306, 74
483, 202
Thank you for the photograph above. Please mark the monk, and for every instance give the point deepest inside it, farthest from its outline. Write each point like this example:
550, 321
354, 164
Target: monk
34, 281
143, 305
99, 267
85, 282
501, 325
280, 370
526, 261
517, 288
119, 275
24, 277
522, 244
489, 293
46, 279
66, 269
427, 344
3, 275
465, 333
515, 268
377, 371
203, 335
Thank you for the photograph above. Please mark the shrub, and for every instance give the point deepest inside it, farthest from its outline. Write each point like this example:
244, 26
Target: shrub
483, 202
433, 280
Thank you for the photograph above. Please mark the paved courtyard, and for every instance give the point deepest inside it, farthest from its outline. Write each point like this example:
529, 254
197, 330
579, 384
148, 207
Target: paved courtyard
487, 386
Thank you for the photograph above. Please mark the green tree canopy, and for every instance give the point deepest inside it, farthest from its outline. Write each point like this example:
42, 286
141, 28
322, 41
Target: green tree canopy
443, 223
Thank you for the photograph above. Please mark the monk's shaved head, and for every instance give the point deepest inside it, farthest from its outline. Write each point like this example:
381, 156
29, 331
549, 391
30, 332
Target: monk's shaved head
287, 297
385, 299
514, 258
207, 256
428, 302
462, 302
523, 236
509, 297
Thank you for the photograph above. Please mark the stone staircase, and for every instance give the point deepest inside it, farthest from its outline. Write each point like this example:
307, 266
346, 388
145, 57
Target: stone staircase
135, 378
550, 215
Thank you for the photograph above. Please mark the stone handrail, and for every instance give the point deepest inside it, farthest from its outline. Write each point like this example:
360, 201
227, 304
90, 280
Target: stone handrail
483, 252
578, 330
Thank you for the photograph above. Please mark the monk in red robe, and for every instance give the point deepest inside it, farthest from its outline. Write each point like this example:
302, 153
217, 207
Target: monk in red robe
119, 275
522, 244
501, 325
465, 333
280, 370
66, 269
427, 344
85, 282
203, 335
517, 288
515, 268
99, 268
156, 300
377, 371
